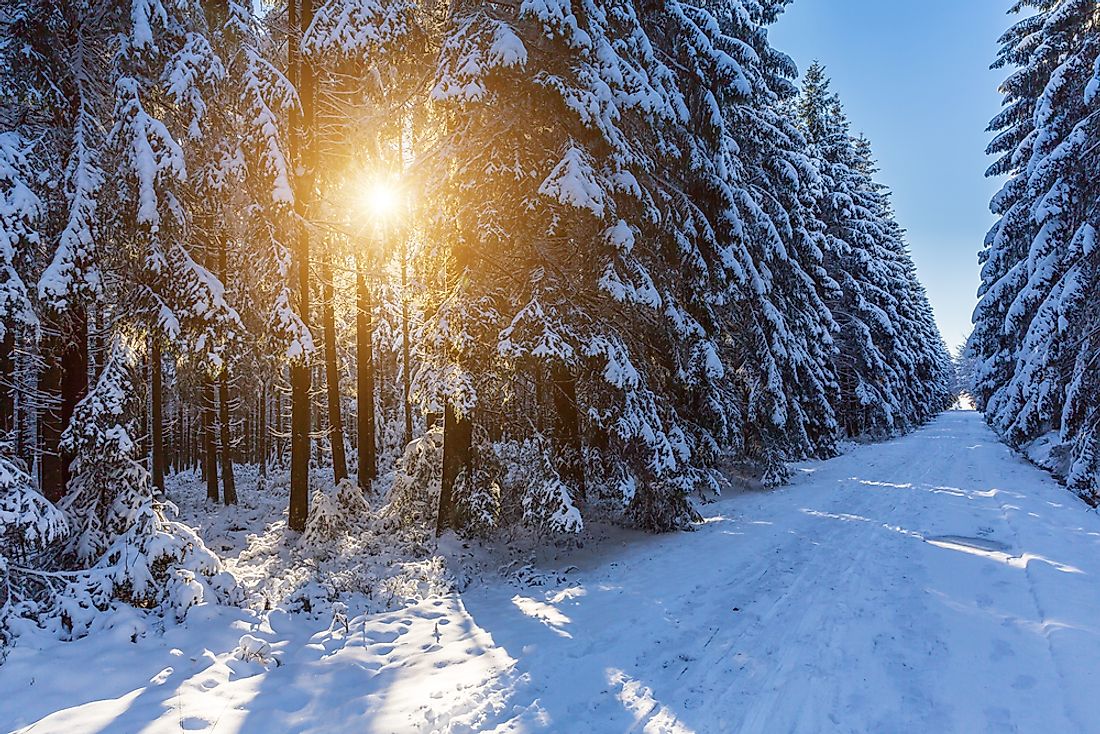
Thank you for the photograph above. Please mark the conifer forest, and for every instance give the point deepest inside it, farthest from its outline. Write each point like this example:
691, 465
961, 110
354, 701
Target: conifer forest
539, 365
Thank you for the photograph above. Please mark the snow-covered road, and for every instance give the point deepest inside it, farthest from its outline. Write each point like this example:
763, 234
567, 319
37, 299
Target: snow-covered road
933, 583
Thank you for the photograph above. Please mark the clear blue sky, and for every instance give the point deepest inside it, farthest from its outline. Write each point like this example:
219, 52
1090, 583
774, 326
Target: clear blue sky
915, 78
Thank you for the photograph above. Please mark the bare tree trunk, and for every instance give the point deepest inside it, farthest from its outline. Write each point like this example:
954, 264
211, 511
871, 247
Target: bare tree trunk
261, 432
568, 428
280, 430
457, 435
99, 345
187, 460
210, 455
405, 376
178, 451
7, 380
49, 424
62, 383
332, 375
300, 378
364, 374
74, 378
457, 443
245, 454
157, 412
320, 419
25, 414
229, 485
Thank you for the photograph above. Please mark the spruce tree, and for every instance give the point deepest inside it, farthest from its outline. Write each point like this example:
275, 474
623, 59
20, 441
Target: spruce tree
1031, 334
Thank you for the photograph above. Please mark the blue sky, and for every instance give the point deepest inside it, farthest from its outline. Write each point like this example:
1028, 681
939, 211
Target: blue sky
915, 78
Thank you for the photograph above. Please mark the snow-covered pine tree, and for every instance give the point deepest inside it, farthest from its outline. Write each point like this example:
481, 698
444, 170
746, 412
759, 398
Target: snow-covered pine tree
21, 215
30, 526
133, 552
858, 289
1006, 245
746, 177
29, 523
1031, 322
930, 383
53, 96
121, 252
555, 284
894, 369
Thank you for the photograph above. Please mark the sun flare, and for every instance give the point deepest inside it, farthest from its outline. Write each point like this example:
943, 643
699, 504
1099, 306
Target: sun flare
380, 199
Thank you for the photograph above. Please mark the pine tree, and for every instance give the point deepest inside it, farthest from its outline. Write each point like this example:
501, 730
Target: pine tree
1031, 332
31, 526
749, 175
893, 367
136, 553
553, 188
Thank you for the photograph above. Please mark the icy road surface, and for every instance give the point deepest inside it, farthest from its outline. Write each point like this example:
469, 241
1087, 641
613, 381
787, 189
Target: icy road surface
936, 583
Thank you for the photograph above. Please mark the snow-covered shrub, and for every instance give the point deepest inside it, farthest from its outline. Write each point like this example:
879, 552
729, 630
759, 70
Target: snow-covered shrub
333, 514
545, 501
477, 497
29, 526
252, 649
414, 495
155, 564
326, 523
28, 521
547, 505
416, 580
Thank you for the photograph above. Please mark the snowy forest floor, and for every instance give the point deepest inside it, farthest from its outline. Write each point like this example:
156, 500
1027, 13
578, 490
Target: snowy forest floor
933, 583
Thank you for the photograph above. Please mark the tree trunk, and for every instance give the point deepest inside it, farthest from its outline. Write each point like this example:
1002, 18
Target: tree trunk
261, 432
320, 418
74, 379
300, 370
181, 434
405, 376
157, 412
210, 456
364, 385
49, 424
229, 485
568, 428
457, 442
332, 375
99, 346
457, 429
7, 381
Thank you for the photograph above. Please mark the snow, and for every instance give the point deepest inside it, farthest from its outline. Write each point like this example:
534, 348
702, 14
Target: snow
358, 28
934, 583
573, 182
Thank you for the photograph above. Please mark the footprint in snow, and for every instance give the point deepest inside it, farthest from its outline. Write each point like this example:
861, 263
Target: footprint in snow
1023, 682
1001, 650
291, 701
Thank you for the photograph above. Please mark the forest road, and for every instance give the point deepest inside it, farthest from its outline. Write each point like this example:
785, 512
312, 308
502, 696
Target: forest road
936, 582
